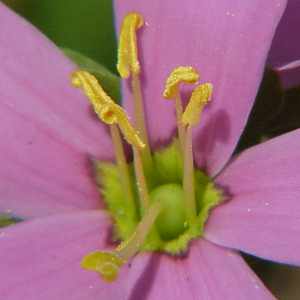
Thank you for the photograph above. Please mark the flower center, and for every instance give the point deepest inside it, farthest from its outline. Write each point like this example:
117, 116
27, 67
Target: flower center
159, 202
171, 222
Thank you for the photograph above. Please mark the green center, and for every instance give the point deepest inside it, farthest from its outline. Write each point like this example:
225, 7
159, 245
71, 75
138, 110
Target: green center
171, 232
171, 221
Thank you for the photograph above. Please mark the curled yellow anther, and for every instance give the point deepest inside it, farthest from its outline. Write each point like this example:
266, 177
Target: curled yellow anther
128, 52
107, 264
106, 109
200, 97
183, 74
89, 84
112, 113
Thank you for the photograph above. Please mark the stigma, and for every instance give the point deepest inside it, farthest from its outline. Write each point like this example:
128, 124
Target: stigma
151, 211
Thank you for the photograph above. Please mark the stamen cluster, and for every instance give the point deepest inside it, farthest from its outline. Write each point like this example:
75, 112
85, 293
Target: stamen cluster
149, 210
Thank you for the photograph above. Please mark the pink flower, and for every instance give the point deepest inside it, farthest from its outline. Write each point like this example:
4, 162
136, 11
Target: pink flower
284, 54
48, 137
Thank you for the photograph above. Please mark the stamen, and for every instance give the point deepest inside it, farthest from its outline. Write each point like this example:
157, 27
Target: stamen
111, 114
140, 118
106, 109
188, 177
108, 264
122, 164
89, 84
114, 113
179, 75
200, 97
128, 65
141, 180
128, 52
191, 116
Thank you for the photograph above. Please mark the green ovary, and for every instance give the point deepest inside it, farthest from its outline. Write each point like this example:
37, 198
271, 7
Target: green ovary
171, 221
172, 233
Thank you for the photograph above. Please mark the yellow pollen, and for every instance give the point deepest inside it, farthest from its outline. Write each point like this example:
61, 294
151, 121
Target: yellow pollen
108, 263
200, 97
183, 74
106, 109
113, 113
128, 52
89, 84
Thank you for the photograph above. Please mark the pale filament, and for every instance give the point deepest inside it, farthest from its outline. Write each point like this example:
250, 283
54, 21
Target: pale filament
180, 127
141, 180
140, 118
108, 263
121, 162
129, 248
188, 176
191, 116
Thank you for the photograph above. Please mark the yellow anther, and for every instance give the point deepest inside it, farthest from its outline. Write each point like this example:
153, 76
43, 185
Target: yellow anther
106, 109
112, 113
89, 84
200, 97
179, 75
107, 264
109, 113
128, 52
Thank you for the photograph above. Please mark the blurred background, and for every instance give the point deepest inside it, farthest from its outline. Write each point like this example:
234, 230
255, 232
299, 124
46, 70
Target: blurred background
87, 27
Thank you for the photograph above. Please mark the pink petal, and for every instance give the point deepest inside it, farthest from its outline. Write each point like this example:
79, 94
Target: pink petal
263, 215
208, 272
40, 259
47, 131
227, 41
285, 47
